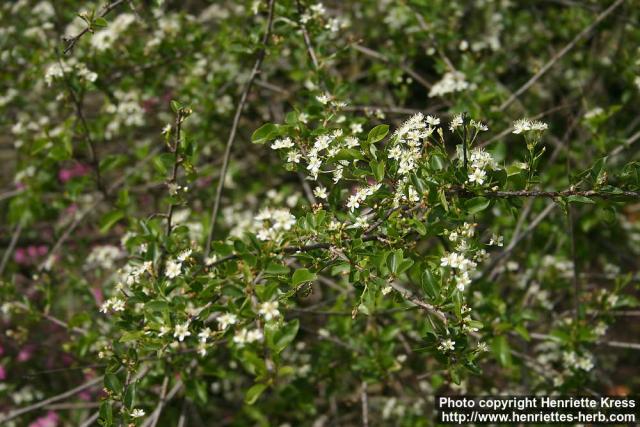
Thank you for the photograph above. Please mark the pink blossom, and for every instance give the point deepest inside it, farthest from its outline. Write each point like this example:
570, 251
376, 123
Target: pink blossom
26, 353
20, 256
49, 420
97, 295
3, 373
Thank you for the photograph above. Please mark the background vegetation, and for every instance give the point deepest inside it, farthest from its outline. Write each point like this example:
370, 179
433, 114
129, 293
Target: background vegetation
293, 213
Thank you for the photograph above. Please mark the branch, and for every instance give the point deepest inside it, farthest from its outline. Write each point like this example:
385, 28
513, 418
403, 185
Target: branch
12, 245
71, 42
377, 55
13, 414
365, 405
549, 194
234, 126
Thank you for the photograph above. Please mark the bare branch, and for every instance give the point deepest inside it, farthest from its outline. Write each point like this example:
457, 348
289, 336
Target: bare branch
234, 127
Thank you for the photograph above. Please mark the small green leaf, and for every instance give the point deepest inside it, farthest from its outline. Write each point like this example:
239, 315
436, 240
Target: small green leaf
175, 106
394, 261
129, 396
429, 284
109, 220
286, 335
501, 350
254, 393
112, 383
302, 275
106, 413
579, 199
100, 22
264, 133
477, 204
377, 133
275, 268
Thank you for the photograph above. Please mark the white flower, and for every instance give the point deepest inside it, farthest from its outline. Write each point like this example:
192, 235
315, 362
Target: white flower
255, 335
184, 255
244, 336
478, 175
182, 331
282, 143
496, 240
585, 363
163, 330
355, 128
173, 269
166, 129
351, 142
227, 319
114, 304
361, 222
525, 125
453, 81
314, 166
600, 329
386, 290
447, 345
324, 98
453, 260
482, 347
320, 192
433, 121
117, 304
269, 310
481, 127
137, 413
456, 122
462, 281
353, 202
293, 156
204, 335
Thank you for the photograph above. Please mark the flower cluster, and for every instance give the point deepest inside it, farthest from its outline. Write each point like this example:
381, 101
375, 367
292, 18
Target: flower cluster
270, 223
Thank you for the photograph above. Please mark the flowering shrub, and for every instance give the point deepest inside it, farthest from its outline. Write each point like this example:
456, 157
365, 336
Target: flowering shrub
297, 213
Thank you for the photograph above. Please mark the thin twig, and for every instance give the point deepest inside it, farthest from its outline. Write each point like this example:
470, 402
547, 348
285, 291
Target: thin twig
377, 55
174, 390
365, 404
71, 42
16, 413
234, 127
11, 247
560, 54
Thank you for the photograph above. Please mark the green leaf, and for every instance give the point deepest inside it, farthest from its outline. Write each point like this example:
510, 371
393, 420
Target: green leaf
157, 305
377, 133
302, 275
377, 168
477, 204
109, 220
286, 335
106, 413
579, 199
348, 154
129, 396
501, 350
394, 261
112, 383
254, 393
100, 22
275, 268
175, 106
429, 284
264, 133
